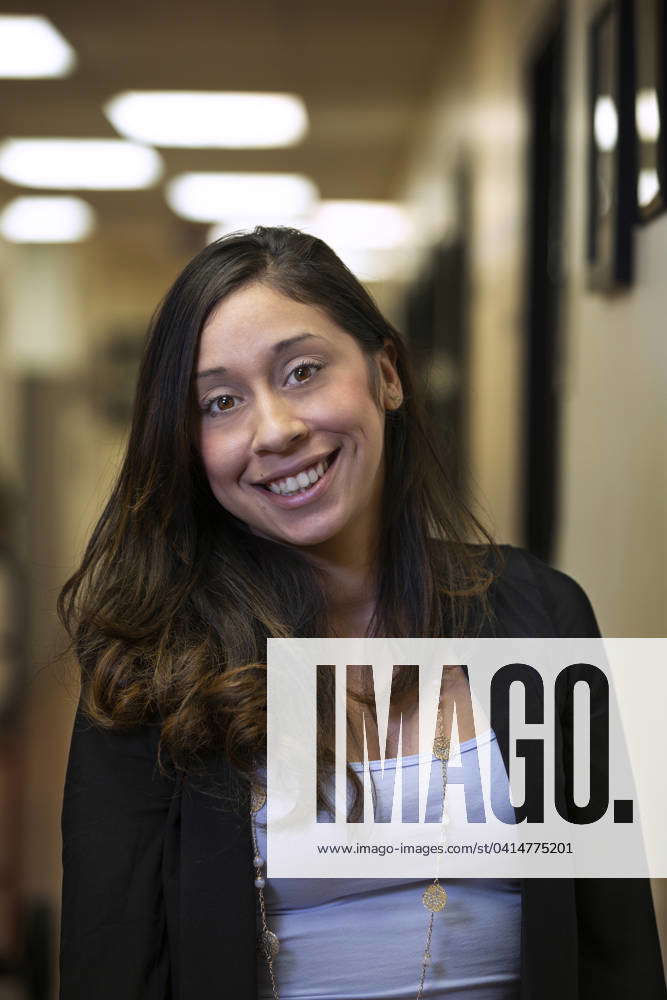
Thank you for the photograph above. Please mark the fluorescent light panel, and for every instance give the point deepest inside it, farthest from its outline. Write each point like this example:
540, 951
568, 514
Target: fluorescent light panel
354, 224
87, 164
371, 264
361, 225
44, 219
209, 119
209, 197
31, 47
371, 237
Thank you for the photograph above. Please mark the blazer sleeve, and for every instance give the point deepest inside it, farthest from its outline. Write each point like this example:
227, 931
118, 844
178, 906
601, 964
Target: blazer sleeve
619, 949
113, 939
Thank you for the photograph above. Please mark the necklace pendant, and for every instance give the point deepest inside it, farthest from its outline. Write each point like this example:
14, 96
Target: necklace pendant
270, 943
441, 748
257, 798
434, 898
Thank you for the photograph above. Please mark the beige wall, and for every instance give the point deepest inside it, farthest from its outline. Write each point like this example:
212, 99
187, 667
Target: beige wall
477, 117
613, 534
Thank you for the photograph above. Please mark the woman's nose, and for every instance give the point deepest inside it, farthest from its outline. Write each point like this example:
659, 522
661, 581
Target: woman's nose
277, 423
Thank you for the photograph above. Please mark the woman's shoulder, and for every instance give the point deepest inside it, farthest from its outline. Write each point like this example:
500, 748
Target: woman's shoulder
118, 759
528, 597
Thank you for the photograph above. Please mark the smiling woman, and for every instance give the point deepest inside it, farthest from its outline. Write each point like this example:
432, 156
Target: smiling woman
281, 480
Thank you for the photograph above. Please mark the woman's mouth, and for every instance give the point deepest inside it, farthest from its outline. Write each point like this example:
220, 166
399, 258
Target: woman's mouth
307, 485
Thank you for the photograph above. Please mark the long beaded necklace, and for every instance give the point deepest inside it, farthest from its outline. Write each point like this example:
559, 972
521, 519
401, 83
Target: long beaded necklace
434, 897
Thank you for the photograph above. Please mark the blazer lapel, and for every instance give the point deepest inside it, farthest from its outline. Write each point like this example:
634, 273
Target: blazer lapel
548, 908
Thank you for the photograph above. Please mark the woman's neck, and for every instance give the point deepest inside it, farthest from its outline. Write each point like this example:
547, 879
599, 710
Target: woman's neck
351, 590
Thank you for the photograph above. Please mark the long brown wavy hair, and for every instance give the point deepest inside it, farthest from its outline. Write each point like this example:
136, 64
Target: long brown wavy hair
174, 599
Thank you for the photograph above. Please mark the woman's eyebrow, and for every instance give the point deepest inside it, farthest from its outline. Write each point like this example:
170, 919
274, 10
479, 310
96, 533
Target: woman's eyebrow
276, 348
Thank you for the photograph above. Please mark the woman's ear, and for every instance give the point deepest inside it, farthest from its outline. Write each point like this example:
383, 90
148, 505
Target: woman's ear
392, 390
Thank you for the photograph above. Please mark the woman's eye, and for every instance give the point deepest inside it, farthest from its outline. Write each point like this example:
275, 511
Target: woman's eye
304, 370
209, 406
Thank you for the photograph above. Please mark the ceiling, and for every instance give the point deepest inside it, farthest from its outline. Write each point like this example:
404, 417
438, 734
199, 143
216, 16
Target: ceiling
364, 68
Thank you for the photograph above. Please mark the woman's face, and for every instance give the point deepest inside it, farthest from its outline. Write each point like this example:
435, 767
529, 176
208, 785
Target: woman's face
290, 436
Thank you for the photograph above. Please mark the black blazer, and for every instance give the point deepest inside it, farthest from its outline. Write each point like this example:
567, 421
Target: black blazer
158, 899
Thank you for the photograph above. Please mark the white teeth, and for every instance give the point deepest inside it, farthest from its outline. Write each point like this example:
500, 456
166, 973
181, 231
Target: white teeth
301, 481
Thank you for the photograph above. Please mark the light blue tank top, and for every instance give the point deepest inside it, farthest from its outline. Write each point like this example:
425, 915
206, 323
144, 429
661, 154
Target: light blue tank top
363, 939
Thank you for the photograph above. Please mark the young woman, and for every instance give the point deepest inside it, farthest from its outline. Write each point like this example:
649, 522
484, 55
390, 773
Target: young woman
281, 480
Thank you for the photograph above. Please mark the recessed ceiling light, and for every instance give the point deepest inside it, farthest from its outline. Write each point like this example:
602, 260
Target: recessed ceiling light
30, 46
373, 241
209, 197
372, 264
87, 164
209, 119
361, 224
44, 219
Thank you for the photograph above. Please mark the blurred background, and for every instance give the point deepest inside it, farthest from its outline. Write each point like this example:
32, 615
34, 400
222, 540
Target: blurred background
493, 169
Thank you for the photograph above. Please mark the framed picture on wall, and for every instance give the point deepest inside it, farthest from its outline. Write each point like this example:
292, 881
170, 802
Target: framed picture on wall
650, 107
612, 147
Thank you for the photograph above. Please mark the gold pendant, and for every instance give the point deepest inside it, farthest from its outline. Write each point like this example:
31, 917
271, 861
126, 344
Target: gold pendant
257, 798
434, 897
270, 943
441, 748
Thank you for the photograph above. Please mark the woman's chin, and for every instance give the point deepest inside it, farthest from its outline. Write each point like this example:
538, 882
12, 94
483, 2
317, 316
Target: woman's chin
302, 537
